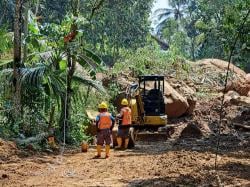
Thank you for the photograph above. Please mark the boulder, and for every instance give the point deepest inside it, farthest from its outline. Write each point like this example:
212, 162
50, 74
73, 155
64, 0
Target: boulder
230, 95
248, 78
175, 104
242, 101
242, 88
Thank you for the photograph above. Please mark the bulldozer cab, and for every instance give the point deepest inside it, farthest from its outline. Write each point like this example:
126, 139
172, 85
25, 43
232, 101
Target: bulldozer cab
151, 91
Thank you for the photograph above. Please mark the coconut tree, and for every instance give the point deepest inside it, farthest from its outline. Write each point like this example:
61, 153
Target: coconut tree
176, 11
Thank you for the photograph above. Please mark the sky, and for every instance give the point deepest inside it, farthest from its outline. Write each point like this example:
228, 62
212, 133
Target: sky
160, 4
157, 4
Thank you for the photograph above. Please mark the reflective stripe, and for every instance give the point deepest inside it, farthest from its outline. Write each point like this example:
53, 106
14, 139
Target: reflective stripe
126, 117
105, 121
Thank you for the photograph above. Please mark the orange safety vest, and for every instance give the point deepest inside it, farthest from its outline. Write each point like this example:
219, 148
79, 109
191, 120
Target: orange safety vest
126, 117
105, 121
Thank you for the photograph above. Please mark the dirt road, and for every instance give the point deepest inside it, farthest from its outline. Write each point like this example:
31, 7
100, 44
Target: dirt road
169, 163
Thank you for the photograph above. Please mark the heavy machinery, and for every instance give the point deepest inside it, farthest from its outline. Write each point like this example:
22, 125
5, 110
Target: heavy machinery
148, 110
147, 105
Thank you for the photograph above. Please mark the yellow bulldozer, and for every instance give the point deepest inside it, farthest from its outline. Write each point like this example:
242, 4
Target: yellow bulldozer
147, 104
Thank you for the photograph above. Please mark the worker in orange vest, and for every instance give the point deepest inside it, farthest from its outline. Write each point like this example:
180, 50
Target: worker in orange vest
104, 124
125, 122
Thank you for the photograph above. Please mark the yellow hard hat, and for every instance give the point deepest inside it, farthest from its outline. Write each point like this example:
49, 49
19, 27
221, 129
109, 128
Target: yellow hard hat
103, 105
124, 102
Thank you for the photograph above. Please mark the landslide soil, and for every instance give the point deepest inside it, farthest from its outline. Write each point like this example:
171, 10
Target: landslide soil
177, 161
149, 164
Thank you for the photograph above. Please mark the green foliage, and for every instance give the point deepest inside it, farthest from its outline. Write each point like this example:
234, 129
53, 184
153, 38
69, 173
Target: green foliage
43, 81
148, 60
6, 42
119, 25
199, 29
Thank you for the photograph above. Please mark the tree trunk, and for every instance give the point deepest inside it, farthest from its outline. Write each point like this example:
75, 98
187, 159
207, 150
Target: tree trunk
26, 22
17, 60
66, 101
193, 48
37, 7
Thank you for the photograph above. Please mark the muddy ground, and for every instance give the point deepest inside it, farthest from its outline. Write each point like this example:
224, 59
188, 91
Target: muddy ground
170, 163
186, 158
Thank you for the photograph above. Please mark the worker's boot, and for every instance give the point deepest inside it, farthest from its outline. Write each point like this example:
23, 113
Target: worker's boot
126, 143
119, 142
99, 150
107, 149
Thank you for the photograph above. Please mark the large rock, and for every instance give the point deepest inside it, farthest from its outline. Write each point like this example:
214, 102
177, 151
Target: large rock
230, 95
234, 98
248, 78
242, 88
175, 104
242, 101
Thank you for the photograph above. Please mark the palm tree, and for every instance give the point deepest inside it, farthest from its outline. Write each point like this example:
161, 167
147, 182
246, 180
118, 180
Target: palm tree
46, 78
176, 11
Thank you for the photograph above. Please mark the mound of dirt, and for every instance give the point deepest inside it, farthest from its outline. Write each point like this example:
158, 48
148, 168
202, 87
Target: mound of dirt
209, 74
195, 130
221, 65
7, 150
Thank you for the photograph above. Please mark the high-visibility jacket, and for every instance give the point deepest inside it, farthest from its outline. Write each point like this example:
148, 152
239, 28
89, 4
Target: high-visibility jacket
105, 121
126, 116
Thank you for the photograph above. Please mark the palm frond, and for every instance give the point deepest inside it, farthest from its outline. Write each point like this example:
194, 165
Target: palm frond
86, 62
90, 54
161, 24
161, 11
165, 15
6, 74
32, 76
5, 62
89, 82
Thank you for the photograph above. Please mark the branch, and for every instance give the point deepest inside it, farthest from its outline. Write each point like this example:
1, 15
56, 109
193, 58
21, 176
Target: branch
162, 43
95, 8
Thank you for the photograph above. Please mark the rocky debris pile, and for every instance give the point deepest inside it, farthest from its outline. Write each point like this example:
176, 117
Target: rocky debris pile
221, 65
242, 87
238, 92
242, 120
180, 95
209, 74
